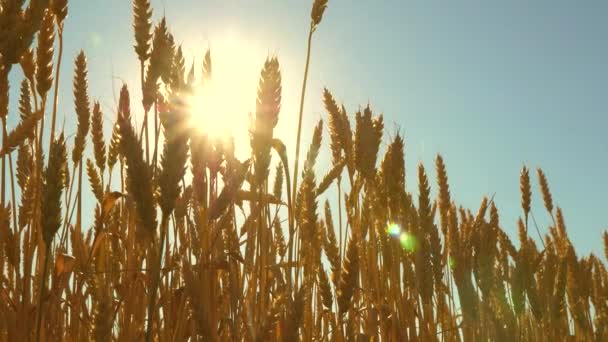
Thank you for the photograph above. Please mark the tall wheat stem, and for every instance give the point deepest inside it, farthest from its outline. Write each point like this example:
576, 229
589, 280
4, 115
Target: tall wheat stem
14, 204
156, 278
67, 218
2, 196
79, 198
340, 213
42, 290
10, 168
145, 123
42, 108
156, 137
56, 93
297, 156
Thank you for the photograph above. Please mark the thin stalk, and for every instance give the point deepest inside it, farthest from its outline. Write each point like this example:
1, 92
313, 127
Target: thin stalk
68, 203
540, 237
42, 290
145, 123
55, 95
3, 162
297, 156
31, 239
156, 279
156, 137
10, 168
14, 205
291, 226
79, 199
340, 213
43, 108
262, 235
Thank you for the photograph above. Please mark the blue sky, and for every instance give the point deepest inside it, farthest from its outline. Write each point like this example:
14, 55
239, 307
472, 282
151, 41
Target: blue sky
489, 85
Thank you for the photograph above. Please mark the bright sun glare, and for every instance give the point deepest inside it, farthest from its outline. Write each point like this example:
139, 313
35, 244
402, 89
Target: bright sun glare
221, 106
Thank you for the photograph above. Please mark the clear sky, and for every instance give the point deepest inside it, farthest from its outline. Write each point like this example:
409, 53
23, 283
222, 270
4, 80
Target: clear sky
491, 85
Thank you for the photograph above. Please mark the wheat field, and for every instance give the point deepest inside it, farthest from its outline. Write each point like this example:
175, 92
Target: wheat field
188, 243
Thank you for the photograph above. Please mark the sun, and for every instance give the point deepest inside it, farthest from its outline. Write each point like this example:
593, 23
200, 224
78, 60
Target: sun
212, 111
220, 106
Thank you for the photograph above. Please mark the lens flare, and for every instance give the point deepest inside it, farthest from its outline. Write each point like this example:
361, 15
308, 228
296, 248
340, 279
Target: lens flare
408, 242
393, 230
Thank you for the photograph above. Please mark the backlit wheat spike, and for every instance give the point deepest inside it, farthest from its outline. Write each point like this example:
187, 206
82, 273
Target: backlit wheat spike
268, 105
378, 124
443, 196
335, 125
207, 66
348, 277
561, 224
332, 175
368, 133
95, 181
60, 9
346, 135
278, 181
199, 149
99, 145
561, 234
526, 193
82, 106
316, 14
15, 34
25, 100
555, 302
392, 171
33, 17
44, 54
521, 232
139, 180
114, 146
453, 236
325, 288
28, 65
487, 252
306, 215
142, 25
27, 202
166, 66
175, 154
307, 204
544, 189
178, 70
313, 150
268, 102
424, 200
279, 239
161, 58
53, 187
24, 130
330, 245
24, 165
